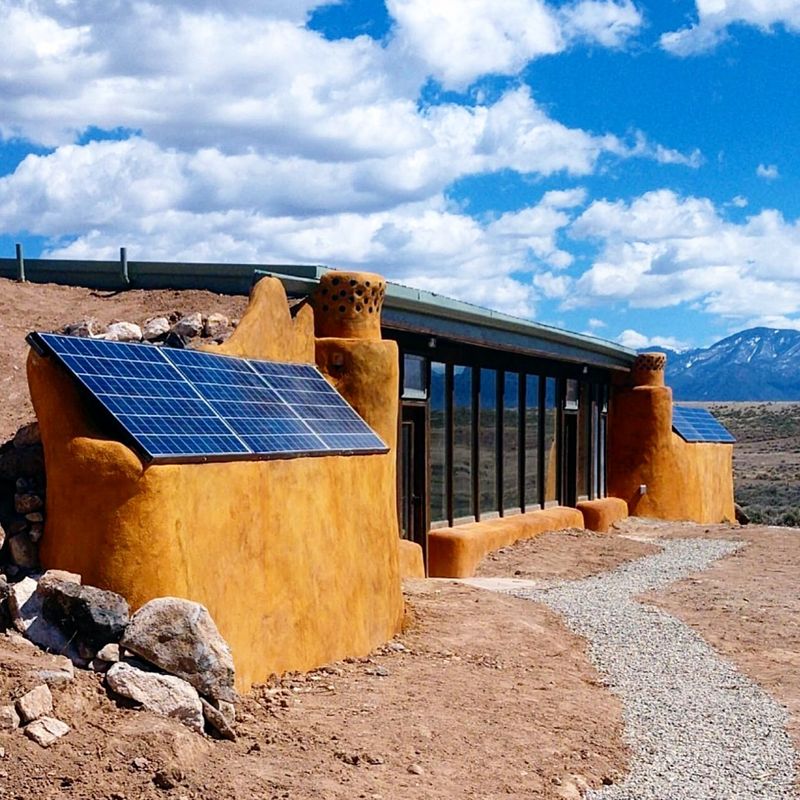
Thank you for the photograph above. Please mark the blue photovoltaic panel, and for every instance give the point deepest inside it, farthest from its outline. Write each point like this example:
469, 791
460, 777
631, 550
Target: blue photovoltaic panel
194, 405
698, 425
148, 397
324, 411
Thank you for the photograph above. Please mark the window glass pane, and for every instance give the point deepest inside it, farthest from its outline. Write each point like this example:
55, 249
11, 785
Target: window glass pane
584, 407
462, 442
531, 440
488, 439
511, 441
414, 377
571, 395
550, 412
595, 441
438, 503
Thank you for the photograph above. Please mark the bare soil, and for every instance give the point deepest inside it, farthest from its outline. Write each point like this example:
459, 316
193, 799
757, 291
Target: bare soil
25, 307
564, 555
747, 606
490, 697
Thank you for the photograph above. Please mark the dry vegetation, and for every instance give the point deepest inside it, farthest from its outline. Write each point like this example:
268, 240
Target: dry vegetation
766, 459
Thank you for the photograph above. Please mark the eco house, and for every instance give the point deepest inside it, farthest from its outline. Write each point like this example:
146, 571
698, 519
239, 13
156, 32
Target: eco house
472, 429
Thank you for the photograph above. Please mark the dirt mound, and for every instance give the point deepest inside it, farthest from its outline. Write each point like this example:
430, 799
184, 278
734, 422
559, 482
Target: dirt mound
25, 307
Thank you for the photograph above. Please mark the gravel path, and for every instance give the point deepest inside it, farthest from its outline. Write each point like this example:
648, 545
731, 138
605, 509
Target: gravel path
697, 728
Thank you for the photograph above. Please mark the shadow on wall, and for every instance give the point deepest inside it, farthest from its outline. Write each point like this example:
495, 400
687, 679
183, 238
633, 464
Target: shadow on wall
296, 559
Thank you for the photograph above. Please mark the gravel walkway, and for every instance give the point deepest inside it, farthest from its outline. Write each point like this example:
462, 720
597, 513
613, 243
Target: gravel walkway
697, 728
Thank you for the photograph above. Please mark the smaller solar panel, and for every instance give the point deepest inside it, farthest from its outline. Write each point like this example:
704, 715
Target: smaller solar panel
699, 425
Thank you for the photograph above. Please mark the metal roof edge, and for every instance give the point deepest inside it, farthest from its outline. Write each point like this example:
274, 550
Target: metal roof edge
406, 298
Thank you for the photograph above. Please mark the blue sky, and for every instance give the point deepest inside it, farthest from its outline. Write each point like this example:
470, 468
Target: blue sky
627, 168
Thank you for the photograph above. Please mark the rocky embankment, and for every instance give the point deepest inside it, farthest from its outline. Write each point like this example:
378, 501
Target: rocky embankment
168, 657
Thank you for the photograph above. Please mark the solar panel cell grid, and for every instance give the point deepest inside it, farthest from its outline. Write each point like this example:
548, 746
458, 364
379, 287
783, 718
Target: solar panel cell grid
188, 404
699, 425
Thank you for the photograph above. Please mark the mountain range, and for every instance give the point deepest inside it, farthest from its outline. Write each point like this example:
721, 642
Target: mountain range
755, 364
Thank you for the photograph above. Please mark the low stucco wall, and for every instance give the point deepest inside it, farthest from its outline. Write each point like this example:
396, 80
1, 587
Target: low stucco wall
456, 552
296, 559
684, 481
412, 564
599, 515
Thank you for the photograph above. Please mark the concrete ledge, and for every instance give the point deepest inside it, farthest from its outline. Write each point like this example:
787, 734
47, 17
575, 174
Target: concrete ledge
600, 515
412, 564
456, 552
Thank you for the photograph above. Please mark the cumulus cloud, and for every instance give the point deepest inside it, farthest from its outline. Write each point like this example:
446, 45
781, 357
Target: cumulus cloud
638, 341
662, 250
714, 17
610, 24
769, 172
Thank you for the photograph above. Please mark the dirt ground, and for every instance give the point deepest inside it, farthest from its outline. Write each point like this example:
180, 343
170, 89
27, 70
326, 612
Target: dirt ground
564, 555
485, 696
25, 307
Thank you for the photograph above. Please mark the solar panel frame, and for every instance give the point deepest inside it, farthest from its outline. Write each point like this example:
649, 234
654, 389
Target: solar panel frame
698, 425
259, 410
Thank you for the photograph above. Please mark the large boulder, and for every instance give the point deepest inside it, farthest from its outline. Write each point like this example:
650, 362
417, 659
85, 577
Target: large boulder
189, 326
123, 332
166, 695
180, 637
94, 616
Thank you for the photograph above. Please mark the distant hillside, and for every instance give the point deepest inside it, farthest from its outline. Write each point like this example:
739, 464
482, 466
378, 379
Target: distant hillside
756, 364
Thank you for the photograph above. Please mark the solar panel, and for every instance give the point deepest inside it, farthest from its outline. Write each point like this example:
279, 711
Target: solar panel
190, 405
698, 425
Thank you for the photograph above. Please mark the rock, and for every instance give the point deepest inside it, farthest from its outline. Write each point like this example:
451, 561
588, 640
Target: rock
123, 332
35, 532
35, 516
84, 327
109, 653
95, 616
155, 328
60, 673
741, 515
36, 703
162, 694
9, 719
216, 325
27, 435
140, 763
216, 720
416, 769
180, 637
25, 608
27, 503
5, 616
23, 551
189, 326
53, 575
2, 537
46, 731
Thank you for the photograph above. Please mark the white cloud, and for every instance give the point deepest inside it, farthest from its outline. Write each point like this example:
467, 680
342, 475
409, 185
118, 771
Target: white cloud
596, 324
769, 172
457, 41
638, 341
661, 250
714, 17
739, 201
608, 23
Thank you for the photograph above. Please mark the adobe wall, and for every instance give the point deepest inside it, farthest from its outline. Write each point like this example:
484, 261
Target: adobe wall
296, 559
685, 481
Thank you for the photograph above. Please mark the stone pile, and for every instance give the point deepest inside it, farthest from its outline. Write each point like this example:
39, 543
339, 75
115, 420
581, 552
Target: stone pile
172, 329
22, 501
168, 657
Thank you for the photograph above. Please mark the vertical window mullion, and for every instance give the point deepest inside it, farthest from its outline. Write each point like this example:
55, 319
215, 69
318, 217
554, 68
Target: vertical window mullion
499, 434
449, 434
540, 436
475, 444
522, 414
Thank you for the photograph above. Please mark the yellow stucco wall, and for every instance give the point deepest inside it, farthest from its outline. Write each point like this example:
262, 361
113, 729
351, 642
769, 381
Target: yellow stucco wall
296, 559
685, 481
